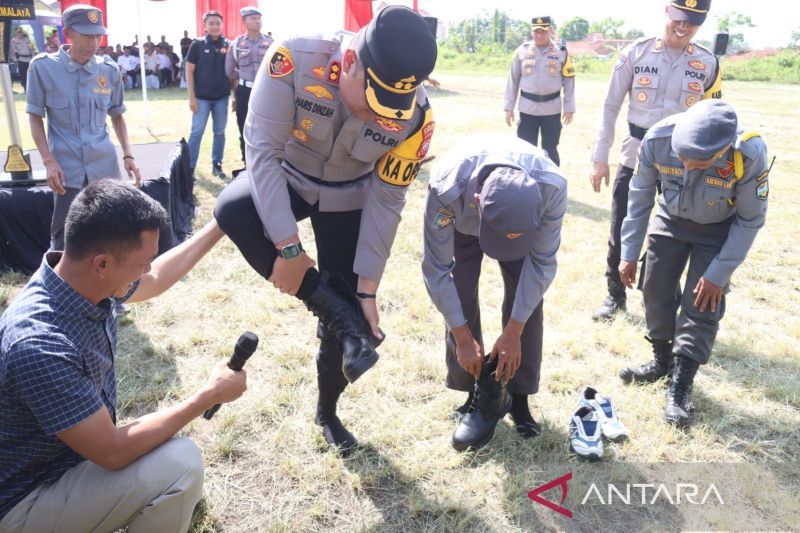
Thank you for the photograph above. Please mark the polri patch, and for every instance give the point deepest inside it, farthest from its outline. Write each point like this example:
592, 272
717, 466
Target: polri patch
762, 192
281, 63
621, 59
444, 217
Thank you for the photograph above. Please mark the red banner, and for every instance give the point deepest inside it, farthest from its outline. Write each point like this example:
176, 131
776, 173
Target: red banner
99, 4
357, 13
232, 24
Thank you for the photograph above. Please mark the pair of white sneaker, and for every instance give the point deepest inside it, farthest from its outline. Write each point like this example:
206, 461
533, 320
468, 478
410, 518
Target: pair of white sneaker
594, 419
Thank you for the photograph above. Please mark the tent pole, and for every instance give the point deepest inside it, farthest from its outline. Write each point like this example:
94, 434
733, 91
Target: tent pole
142, 71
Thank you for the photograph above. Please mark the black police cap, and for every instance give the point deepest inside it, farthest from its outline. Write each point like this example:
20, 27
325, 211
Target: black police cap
692, 11
398, 52
540, 22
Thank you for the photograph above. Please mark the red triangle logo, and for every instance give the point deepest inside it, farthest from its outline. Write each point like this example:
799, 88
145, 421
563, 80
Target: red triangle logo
562, 482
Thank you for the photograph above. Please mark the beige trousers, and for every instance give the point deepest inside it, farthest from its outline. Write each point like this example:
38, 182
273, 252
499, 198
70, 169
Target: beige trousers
157, 493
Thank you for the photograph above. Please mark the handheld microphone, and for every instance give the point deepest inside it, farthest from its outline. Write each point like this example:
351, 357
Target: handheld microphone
245, 346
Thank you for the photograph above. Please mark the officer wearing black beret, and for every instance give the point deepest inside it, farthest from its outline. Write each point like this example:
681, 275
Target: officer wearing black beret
714, 183
335, 133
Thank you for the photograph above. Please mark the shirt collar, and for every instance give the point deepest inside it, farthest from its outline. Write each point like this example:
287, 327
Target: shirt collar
68, 299
72, 66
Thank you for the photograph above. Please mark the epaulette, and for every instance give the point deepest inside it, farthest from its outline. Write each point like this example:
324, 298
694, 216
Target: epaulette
108, 61
315, 45
749, 145
703, 48
51, 55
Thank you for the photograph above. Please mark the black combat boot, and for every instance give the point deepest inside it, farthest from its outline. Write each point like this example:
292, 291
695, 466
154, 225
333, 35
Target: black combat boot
331, 383
679, 409
661, 365
490, 403
345, 320
615, 302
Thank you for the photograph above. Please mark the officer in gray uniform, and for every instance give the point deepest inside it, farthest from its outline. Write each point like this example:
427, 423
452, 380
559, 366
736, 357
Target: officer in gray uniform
76, 90
539, 71
21, 52
335, 133
661, 77
504, 198
714, 183
241, 64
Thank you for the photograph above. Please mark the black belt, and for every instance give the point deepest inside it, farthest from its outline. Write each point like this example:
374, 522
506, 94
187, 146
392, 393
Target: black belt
319, 181
637, 132
541, 97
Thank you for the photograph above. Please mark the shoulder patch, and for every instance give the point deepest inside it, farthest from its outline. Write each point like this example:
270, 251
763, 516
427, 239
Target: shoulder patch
762, 191
400, 166
281, 64
621, 59
444, 217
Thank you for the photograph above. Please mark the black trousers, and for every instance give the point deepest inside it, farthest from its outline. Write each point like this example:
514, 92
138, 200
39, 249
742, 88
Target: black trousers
466, 274
242, 105
22, 67
619, 209
550, 127
335, 234
165, 76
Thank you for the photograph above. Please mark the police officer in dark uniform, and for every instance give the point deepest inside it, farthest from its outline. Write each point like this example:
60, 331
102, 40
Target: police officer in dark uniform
714, 183
245, 55
335, 133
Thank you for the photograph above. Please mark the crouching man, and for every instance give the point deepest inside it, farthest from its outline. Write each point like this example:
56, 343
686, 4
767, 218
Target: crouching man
502, 197
714, 180
65, 465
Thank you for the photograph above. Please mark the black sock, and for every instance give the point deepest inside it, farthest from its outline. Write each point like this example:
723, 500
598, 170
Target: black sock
464, 408
520, 411
310, 281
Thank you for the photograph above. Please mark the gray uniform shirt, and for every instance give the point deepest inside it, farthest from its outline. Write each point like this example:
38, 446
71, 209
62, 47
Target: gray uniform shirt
540, 71
245, 56
703, 196
76, 99
657, 87
299, 133
451, 206
20, 49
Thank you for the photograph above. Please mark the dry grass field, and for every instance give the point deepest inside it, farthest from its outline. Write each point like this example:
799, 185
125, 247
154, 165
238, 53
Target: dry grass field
267, 465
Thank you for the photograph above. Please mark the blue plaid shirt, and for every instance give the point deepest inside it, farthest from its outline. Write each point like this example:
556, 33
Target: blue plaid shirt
56, 369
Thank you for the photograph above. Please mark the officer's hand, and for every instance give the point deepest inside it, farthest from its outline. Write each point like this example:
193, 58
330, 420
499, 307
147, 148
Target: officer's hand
233, 105
193, 105
627, 272
567, 117
510, 118
133, 171
225, 385
287, 274
599, 171
469, 353
55, 176
370, 309
707, 294
508, 350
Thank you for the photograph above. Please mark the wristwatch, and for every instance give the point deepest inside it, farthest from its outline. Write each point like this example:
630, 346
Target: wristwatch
292, 251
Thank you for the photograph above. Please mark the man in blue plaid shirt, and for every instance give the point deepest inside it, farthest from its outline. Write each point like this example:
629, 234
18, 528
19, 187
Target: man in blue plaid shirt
64, 463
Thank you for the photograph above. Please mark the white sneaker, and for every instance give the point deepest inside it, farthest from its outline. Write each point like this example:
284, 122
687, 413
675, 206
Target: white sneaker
612, 428
585, 437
